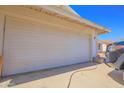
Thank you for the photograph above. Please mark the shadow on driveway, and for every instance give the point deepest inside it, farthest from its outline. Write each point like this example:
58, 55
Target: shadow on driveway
117, 76
35, 75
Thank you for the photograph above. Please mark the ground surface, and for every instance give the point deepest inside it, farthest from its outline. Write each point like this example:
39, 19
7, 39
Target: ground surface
102, 76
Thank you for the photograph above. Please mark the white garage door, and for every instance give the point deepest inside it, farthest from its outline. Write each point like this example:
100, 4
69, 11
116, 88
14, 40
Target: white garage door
30, 46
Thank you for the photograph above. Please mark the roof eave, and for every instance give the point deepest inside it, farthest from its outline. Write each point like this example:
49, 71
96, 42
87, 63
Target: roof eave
104, 31
78, 20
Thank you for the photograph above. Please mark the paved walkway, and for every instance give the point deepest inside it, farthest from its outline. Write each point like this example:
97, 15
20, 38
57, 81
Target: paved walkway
102, 76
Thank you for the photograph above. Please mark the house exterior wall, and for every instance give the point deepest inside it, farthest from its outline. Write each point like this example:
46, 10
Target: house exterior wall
94, 45
24, 13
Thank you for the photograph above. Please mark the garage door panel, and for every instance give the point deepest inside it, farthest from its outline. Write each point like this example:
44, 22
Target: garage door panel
31, 46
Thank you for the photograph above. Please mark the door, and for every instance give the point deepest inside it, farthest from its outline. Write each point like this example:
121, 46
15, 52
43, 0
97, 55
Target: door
30, 46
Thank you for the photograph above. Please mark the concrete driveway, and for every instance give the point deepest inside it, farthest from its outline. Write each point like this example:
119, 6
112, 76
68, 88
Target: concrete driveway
91, 75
